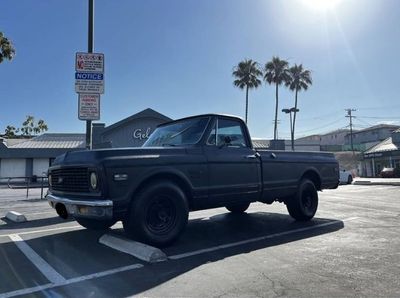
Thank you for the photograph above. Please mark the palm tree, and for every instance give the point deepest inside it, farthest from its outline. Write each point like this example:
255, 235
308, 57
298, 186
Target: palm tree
300, 79
247, 75
7, 50
276, 72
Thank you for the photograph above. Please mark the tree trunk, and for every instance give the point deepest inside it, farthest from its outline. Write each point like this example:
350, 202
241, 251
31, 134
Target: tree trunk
294, 118
276, 112
247, 101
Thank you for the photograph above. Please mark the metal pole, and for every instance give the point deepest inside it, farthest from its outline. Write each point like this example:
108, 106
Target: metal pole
90, 50
291, 131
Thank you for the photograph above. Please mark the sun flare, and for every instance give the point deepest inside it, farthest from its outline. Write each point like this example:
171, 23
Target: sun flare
321, 5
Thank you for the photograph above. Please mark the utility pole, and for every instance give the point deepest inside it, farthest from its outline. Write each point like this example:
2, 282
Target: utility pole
350, 116
90, 50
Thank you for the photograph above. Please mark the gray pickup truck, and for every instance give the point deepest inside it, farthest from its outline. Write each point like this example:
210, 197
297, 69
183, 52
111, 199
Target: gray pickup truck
194, 163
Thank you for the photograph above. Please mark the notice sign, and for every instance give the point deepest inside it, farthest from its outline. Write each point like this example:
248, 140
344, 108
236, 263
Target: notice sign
89, 107
89, 82
89, 62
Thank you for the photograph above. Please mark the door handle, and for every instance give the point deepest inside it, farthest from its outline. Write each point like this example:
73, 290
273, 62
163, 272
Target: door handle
252, 156
273, 155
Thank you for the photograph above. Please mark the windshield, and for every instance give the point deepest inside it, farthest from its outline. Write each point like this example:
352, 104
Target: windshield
185, 132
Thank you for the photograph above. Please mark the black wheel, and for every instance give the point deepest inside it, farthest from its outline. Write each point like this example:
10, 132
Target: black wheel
158, 214
238, 208
349, 179
304, 204
94, 224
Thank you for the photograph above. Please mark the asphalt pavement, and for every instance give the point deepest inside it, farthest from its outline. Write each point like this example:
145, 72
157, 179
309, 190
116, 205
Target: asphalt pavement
351, 248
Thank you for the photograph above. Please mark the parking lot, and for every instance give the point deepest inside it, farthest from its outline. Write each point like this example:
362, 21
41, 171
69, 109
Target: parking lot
351, 248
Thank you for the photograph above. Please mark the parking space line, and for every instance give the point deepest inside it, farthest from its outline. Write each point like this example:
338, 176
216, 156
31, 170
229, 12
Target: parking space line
233, 244
45, 230
26, 291
66, 282
49, 272
365, 208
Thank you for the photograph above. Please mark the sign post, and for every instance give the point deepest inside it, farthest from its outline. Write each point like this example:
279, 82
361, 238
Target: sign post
89, 80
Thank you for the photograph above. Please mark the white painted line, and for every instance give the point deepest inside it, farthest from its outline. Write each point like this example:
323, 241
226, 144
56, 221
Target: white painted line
214, 248
139, 250
45, 230
38, 213
15, 216
48, 271
28, 291
365, 208
102, 274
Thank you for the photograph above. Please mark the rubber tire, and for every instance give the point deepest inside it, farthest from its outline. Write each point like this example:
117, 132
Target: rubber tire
136, 224
94, 224
238, 208
296, 206
349, 179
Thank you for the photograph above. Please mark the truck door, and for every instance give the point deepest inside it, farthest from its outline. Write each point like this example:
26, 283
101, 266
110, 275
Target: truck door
233, 166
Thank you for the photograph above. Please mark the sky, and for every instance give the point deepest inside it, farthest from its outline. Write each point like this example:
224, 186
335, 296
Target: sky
177, 57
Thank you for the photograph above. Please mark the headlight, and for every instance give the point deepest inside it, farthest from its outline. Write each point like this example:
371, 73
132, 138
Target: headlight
93, 180
49, 178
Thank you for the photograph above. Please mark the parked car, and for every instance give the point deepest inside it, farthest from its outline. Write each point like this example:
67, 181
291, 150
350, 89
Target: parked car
345, 177
390, 173
194, 163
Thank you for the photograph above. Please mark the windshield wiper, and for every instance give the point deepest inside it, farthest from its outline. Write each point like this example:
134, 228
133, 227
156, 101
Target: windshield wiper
166, 144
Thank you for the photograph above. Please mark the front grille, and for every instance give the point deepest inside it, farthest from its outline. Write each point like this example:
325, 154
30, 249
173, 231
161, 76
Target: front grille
70, 179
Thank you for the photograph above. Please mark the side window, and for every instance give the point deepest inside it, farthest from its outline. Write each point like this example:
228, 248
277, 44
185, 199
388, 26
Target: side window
230, 133
213, 137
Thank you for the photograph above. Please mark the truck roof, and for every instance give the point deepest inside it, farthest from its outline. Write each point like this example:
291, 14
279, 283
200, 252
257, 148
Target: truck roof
202, 115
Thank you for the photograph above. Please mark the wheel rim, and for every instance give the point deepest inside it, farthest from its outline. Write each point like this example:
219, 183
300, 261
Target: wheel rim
161, 215
308, 200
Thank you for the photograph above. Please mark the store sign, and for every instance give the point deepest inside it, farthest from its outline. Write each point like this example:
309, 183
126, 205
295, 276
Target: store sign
89, 107
141, 134
373, 155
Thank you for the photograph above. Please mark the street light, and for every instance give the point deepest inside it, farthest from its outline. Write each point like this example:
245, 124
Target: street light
290, 111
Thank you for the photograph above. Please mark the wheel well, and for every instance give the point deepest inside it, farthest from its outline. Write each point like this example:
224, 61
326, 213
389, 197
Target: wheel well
314, 177
170, 177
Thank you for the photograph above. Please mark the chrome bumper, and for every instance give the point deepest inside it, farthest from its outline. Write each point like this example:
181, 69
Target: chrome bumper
100, 209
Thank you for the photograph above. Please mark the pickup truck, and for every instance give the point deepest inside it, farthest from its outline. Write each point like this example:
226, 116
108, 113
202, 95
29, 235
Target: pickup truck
195, 163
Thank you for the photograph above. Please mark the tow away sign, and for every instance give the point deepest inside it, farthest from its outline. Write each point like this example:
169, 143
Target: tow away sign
89, 75
89, 62
89, 107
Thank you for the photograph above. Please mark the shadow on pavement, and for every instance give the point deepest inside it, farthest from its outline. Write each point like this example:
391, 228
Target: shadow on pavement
32, 223
77, 253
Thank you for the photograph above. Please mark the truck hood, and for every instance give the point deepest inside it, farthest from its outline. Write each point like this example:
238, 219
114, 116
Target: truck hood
95, 157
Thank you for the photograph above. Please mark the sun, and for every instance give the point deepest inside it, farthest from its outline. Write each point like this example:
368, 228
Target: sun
321, 5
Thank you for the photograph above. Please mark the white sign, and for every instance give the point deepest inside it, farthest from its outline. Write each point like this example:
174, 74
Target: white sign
89, 107
89, 82
89, 62
89, 75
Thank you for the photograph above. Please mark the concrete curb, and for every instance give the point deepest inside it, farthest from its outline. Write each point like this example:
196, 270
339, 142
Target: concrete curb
367, 182
139, 250
15, 216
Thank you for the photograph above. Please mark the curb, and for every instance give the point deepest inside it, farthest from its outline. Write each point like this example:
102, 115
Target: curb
15, 216
376, 183
139, 250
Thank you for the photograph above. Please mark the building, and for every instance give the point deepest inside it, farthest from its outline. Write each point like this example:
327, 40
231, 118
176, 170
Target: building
28, 157
383, 154
368, 137
33, 156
